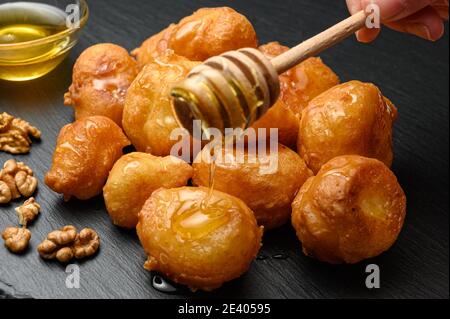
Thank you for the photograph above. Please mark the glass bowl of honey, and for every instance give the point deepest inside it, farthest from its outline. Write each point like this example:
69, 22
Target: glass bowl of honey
36, 36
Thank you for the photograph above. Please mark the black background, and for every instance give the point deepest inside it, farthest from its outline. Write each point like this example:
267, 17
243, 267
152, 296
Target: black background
410, 71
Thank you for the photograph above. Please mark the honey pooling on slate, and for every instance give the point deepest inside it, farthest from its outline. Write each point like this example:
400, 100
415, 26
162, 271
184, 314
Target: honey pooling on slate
228, 91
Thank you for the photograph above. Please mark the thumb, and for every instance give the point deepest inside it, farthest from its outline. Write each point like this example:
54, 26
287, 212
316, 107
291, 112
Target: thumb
392, 10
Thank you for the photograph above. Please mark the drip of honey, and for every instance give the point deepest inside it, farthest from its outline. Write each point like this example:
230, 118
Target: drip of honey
192, 221
212, 169
197, 217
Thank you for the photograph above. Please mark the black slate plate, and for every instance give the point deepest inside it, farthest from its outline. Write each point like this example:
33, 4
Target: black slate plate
410, 71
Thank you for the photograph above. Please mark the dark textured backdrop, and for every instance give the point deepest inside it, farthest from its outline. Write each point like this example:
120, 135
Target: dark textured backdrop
410, 71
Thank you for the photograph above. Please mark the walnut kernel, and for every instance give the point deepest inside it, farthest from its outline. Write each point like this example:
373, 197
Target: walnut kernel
9, 180
28, 211
16, 239
19, 179
26, 184
15, 134
47, 249
65, 244
86, 244
5, 193
64, 255
64, 236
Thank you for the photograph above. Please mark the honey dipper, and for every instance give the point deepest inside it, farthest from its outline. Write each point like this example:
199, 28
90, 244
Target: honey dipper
236, 88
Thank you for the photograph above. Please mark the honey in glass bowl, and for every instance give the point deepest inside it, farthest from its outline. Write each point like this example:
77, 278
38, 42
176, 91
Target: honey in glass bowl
35, 36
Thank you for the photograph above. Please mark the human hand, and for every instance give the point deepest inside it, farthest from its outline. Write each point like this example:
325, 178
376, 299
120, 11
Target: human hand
423, 18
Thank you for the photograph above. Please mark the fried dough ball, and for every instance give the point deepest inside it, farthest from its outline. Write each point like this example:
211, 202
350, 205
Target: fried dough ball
268, 188
197, 243
206, 33
133, 179
148, 119
349, 119
352, 210
101, 77
298, 86
86, 150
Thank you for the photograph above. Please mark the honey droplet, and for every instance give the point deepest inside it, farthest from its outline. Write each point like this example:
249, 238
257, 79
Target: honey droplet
280, 256
163, 285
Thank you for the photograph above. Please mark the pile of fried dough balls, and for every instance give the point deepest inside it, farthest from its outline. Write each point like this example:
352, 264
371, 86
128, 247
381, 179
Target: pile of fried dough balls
333, 178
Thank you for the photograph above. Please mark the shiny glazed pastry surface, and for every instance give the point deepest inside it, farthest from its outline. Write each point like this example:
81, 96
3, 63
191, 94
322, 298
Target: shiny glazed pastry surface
267, 184
101, 77
352, 210
206, 33
86, 150
353, 118
298, 86
133, 179
148, 118
199, 245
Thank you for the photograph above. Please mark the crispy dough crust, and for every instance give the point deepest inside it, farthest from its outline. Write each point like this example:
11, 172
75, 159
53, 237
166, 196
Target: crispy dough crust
86, 150
200, 263
100, 80
351, 118
352, 210
206, 33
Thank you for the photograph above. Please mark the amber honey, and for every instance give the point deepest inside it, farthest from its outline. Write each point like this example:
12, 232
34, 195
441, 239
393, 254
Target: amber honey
197, 217
194, 220
25, 28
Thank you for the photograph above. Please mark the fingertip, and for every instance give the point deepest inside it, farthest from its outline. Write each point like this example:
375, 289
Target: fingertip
432, 23
367, 35
426, 24
354, 6
437, 31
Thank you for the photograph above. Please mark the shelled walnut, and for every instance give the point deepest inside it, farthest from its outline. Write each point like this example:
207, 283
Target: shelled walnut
86, 243
65, 244
15, 134
28, 211
18, 178
16, 239
5, 193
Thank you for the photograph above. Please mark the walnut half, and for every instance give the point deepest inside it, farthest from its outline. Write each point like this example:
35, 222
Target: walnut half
19, 178
16, 239
65, 244
5, 193
28, 211
15, 134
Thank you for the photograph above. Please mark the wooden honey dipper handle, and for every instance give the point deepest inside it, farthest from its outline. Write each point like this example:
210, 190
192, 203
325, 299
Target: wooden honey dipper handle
235, 89
319, 43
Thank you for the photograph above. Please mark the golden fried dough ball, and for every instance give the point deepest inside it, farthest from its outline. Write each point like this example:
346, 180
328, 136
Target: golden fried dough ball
351, 118
133, 179
196, 243
207, 32
148, 119
267, 187
352, 210
86, 150
101, 77
298, 86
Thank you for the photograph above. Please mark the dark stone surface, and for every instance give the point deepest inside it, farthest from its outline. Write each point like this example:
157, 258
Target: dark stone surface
410, 71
